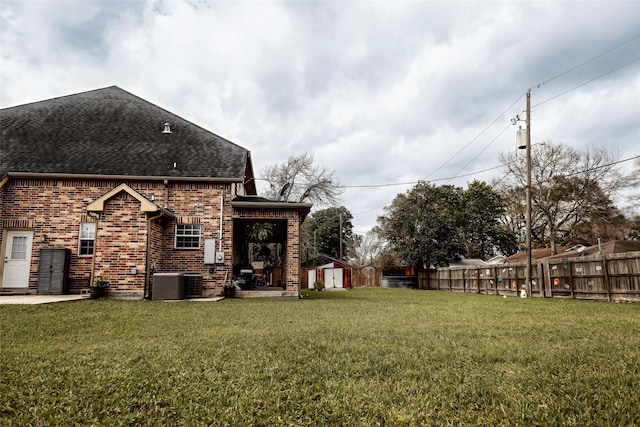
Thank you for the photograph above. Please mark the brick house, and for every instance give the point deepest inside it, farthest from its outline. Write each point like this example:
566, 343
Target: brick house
126, 190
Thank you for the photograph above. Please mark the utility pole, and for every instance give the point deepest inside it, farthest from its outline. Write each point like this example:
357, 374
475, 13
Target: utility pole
340, 237
528, 213
526, 144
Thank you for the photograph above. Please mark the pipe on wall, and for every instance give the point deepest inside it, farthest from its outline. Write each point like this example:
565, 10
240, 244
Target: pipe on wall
147, 275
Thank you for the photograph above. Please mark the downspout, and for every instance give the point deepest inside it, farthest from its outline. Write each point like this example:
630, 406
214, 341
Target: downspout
221, 218
95, 252
147, 276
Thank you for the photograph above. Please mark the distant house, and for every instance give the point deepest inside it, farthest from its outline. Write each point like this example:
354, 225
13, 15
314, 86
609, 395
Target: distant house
612, 247
464, 262
536, 254
124, 189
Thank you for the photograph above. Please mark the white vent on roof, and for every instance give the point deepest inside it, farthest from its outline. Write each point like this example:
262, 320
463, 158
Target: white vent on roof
167, 128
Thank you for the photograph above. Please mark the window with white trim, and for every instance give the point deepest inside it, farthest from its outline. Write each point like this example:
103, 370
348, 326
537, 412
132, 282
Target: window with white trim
187, 236
87, 238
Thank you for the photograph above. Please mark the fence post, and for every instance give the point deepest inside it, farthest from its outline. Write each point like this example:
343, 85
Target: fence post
607, 285
541, 281
570, 264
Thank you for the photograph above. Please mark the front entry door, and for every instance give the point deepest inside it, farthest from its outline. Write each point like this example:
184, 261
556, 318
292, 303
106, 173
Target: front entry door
17, 260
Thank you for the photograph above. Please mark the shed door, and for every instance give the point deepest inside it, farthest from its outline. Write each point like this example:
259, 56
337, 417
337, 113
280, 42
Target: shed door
17, 261
333, 278
311, 278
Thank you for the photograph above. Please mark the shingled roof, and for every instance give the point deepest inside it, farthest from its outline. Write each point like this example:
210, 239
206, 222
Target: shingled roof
110, 131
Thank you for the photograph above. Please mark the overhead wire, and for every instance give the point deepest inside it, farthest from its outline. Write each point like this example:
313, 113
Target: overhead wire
477, 136
587, 82
481, 151
628, 159
457, 175
504, 130
587, 61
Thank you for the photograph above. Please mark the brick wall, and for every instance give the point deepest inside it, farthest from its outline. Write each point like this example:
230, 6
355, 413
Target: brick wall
199, 204
54, 209
120, 245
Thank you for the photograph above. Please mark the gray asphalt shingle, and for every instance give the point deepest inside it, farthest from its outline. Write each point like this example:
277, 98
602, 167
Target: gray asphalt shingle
109, 131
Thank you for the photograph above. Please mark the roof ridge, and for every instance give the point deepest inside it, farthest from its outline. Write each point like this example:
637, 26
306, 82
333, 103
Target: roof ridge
130, 94
64, 96
111, 131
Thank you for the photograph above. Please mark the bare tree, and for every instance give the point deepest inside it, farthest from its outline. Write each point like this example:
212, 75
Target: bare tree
634, 186
366, 250
299, 180
567, 188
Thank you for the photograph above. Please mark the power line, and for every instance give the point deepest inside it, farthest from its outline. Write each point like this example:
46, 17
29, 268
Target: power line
415, 182
628, 159
603, 166
587, 61
540, 103
586, 83
507, 174
504, 130
477, 136
482, 151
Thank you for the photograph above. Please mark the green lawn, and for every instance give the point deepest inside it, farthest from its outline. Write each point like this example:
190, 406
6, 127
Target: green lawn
358, 358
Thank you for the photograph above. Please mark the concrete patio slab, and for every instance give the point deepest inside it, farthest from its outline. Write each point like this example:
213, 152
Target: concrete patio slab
40, 299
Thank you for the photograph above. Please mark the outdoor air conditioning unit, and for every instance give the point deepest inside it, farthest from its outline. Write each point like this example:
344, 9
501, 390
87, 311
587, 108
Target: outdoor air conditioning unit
192, 285
167, 286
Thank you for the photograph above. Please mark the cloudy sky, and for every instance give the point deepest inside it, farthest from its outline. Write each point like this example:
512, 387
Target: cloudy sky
381, 92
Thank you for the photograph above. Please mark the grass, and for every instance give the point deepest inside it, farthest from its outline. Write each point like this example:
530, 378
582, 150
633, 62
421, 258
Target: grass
359, 358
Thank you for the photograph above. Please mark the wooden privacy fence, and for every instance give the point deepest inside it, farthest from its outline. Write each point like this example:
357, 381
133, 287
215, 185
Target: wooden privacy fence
611, 277
366, 276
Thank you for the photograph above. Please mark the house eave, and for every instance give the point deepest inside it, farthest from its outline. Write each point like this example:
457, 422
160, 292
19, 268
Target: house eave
226, 180
302, 208
271, 205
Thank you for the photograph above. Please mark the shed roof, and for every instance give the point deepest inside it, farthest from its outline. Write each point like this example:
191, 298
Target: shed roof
112, 132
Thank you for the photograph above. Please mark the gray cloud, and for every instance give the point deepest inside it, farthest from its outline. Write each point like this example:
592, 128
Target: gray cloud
382, 92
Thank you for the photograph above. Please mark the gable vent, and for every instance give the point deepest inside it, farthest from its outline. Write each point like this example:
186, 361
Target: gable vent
167, 128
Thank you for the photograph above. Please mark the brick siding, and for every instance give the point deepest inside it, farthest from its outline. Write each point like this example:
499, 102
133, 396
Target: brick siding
54, 210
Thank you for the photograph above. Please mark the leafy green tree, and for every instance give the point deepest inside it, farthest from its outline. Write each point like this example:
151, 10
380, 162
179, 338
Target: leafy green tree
423, 225
325, 226
484, 236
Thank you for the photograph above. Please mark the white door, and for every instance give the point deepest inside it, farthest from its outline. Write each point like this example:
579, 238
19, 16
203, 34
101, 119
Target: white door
311, 278
17, 260
333, 278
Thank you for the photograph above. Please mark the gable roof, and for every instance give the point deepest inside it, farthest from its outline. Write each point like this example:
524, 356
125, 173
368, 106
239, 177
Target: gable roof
111, 132
145, 204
